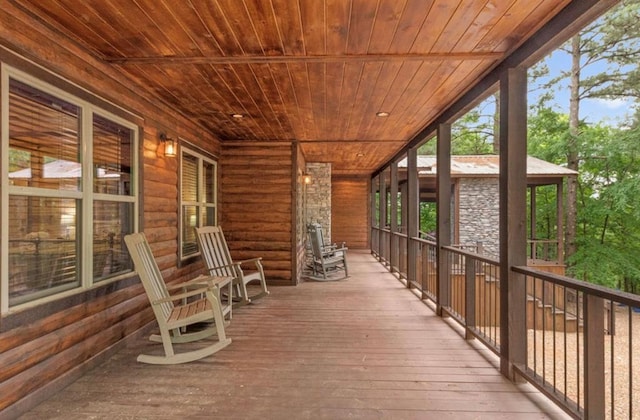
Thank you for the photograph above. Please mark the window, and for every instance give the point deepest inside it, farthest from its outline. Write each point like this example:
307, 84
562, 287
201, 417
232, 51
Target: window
198, 196
68, 195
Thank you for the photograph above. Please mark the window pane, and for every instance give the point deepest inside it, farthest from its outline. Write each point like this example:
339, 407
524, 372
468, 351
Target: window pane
43, 249
43, 140
189, 223
209, 216
209, 182
111, 222
112, 157
189, 178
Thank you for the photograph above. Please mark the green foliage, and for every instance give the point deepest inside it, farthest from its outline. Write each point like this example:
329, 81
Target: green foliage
608, 235
428, 220
19, 159
608, 222
472, 134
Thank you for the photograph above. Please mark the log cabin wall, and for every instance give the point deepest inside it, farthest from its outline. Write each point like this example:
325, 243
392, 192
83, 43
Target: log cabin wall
349, 218
257, 200
44, 347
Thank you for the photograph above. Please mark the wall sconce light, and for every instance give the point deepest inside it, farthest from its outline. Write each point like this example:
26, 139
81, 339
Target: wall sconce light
306, 178
169, 145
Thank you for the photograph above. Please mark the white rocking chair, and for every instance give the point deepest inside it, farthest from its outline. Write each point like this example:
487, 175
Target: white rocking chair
171, 316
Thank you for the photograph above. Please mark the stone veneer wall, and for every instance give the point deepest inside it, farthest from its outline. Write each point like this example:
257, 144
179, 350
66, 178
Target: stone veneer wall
318, 197
478, 213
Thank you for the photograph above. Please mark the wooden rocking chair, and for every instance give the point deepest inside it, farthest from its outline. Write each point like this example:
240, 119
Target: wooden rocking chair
326, 259
217, 259
204, 306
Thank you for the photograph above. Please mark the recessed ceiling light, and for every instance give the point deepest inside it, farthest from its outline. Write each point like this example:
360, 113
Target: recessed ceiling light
382, 114
238, 116
360, 154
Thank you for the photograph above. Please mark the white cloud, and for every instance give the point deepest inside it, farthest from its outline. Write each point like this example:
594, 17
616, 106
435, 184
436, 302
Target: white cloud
611, 103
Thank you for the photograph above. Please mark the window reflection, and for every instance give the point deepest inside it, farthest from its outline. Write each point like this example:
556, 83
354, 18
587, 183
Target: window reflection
51, 243
43, 247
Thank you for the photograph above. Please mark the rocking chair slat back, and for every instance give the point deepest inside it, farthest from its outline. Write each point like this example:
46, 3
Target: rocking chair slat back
215, 252
326, 259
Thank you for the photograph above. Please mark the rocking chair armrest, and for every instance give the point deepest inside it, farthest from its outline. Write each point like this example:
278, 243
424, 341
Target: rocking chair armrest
256, 260
218, 267
180, 296
208, 281
336, 250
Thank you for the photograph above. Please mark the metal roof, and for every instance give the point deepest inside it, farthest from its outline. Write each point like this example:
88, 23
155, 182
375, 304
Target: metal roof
486, 165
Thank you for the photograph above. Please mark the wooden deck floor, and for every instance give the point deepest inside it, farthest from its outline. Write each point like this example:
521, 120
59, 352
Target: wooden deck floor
361, 348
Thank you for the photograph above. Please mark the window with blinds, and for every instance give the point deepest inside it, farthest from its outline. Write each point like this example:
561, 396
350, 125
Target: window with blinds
198, 198
67, 192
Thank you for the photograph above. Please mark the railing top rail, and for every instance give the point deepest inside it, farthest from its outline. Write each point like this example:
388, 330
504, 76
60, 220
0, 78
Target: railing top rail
421, 240
400, 234
593, 289
479, 257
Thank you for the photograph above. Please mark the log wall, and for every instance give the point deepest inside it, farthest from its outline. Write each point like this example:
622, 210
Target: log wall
257, 201
349, 212
44, 347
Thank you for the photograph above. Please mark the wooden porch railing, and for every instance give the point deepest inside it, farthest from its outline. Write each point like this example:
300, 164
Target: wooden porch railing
582, 340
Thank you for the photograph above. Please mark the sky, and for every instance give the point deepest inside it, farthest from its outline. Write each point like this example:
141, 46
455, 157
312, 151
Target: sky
612, 112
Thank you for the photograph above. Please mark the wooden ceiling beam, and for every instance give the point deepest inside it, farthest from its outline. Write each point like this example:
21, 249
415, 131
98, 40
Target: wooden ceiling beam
283, 59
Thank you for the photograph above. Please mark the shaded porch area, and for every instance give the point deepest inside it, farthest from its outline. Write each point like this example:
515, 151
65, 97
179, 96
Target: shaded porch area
365, 347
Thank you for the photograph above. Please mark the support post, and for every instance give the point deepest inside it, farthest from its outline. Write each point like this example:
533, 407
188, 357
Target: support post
513, 232
413, 215
393, 225
469, 296
383, 255
594, 379
560, 222
443, 198
375, 216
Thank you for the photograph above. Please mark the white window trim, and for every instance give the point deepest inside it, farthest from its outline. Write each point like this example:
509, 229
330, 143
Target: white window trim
87, 110
201, 202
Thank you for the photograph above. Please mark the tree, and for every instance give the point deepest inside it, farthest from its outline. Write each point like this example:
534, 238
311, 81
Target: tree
603, 65
608, 242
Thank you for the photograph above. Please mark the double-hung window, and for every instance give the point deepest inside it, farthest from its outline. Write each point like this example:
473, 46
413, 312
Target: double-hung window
68, 191
198, 196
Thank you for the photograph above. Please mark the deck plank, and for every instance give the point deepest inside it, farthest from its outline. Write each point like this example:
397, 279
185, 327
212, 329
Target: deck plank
361, 348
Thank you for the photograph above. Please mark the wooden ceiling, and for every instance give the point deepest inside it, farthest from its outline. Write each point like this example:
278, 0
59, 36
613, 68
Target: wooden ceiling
314, 71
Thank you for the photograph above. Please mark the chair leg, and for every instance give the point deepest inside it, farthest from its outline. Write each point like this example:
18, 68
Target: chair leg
218, 316
241, 292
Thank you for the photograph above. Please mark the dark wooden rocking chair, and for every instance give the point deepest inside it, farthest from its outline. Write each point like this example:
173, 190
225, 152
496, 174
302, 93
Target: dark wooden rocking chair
326, 259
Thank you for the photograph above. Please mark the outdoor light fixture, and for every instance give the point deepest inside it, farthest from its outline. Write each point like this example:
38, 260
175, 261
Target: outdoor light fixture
306, 178
169, 145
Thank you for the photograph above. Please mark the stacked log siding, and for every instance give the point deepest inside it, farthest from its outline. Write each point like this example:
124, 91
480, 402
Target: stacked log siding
256, 199
349, 218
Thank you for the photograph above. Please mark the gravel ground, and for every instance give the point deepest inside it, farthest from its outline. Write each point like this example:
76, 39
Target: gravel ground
549, 352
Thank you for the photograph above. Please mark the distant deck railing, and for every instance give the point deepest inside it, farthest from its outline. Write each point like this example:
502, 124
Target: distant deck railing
544, 250
581, 347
